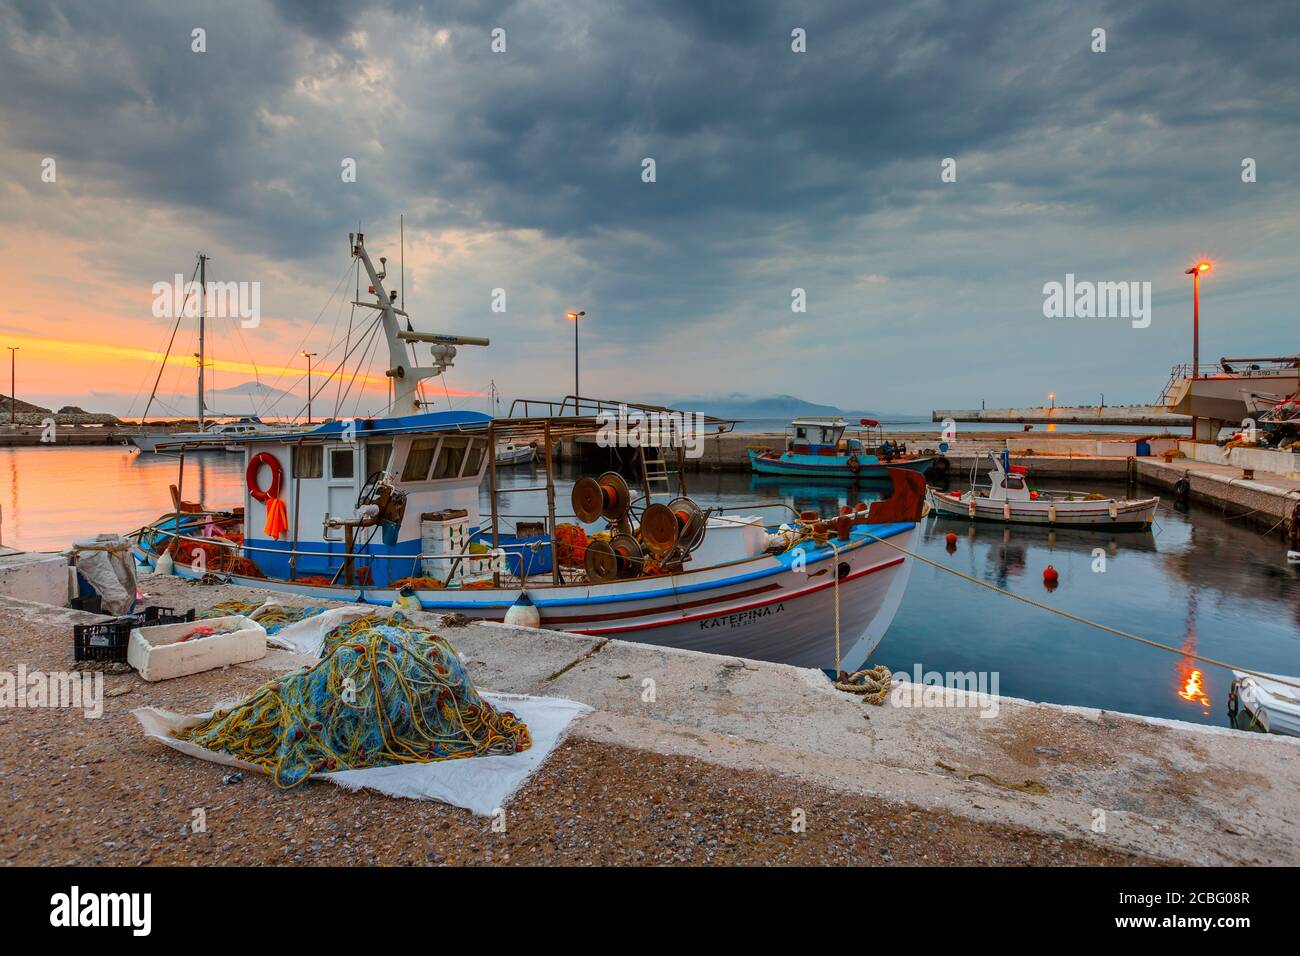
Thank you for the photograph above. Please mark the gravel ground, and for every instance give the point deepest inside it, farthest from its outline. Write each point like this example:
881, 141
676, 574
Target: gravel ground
83, 791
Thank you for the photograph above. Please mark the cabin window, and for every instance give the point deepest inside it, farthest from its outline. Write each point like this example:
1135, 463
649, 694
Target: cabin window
451, 457
419, 458
342, 464
474, 457
377, 457
308, 461
800, 433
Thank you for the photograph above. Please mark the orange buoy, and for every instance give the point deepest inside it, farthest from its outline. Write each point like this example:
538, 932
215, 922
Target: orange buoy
951, 537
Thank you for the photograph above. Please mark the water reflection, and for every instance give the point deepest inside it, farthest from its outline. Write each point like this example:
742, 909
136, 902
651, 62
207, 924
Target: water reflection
1201, 583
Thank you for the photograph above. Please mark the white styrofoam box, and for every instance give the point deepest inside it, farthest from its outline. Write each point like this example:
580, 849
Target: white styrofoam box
449, 536
35, 577
730, 538
159, 654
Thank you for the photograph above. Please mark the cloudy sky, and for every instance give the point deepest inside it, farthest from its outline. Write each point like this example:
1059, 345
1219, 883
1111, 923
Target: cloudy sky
775, 170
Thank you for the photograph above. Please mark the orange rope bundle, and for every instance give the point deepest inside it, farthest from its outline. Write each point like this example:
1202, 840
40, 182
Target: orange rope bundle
570, 545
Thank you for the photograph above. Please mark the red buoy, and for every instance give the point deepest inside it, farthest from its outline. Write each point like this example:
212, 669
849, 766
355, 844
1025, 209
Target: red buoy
1050, 577
951, 537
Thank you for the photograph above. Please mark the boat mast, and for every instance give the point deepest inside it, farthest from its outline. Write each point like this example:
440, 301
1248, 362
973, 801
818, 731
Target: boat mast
203, 311
405, 377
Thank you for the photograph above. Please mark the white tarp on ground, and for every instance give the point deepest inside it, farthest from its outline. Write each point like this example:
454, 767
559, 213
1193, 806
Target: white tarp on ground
480, 784
307, 635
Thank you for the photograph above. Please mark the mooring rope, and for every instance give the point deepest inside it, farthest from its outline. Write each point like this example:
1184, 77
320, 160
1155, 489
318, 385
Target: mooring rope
1075, 617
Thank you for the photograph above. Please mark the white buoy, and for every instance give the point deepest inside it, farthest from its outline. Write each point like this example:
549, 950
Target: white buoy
165, 564
523, 612
1293, 557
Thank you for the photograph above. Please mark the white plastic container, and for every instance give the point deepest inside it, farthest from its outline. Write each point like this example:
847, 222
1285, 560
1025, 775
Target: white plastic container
159, 654
730, 538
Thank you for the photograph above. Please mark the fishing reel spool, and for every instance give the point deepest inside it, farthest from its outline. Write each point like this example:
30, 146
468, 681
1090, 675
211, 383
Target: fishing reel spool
605, 497
672, 531
620, 557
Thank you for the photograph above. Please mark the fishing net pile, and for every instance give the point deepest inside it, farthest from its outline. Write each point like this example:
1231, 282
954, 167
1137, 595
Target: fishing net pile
384, 692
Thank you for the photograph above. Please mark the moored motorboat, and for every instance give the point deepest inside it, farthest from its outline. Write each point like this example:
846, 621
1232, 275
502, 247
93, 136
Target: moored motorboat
818, 447
1268, 704
1009, 499
508, 453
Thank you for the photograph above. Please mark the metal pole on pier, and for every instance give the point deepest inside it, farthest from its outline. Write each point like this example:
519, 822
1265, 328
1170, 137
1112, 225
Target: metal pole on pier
203, 312
575, 316
309, 356
13, 384
1195, 272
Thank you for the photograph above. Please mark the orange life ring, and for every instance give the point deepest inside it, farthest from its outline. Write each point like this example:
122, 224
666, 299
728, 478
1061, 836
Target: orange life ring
277, 476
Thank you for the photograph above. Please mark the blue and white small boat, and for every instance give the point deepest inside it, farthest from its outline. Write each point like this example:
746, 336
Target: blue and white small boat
357, 510
817, 447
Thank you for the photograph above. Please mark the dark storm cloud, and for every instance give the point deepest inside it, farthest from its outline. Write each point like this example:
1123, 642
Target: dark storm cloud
771, 165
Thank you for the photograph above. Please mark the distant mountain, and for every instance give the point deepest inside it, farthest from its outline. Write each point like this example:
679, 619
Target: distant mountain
250, 390
20, 406
741, 406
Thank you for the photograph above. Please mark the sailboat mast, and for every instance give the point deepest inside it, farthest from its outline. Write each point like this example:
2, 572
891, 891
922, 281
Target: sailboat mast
203, 311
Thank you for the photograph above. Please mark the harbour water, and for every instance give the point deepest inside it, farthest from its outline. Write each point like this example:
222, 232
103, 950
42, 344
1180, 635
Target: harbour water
1200, 582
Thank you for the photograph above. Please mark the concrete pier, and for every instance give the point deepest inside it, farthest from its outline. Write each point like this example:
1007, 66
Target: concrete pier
1155, 416
1094, 785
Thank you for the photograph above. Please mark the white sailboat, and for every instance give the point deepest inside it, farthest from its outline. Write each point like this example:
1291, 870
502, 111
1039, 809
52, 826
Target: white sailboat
213, 433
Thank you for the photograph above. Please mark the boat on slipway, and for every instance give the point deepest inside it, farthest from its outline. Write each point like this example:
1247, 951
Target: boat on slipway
816, 447
1009, 499
359, 510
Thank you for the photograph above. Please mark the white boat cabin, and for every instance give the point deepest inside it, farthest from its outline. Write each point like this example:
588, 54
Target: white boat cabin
434, 462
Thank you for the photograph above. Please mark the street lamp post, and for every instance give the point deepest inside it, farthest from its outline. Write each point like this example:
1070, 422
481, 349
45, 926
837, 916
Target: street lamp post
575, 316
1195, 272
309, 356
13, 386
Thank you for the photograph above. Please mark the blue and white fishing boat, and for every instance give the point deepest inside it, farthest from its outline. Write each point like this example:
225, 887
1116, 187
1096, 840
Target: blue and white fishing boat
817, 447
354, 510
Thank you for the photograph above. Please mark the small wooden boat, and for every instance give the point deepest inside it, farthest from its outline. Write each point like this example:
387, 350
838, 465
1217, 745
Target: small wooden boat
1269, 705
1010, 500
508, 453
817, 447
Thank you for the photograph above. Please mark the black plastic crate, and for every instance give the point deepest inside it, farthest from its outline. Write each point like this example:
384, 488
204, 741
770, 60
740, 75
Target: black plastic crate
107, 640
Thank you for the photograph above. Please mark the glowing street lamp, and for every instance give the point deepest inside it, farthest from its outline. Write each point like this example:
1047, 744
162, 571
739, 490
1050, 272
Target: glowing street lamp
574, 317
1196, 272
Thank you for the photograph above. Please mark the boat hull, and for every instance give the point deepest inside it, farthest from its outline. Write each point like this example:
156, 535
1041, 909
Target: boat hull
833, 466
1273, 707
1125, 516
515, 456
777, 608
